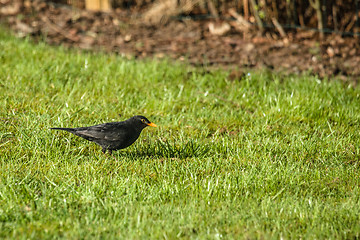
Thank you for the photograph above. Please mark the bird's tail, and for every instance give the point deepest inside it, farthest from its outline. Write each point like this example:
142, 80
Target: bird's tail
64, 129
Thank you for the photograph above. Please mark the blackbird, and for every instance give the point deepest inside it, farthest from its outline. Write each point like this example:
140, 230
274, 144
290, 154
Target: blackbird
114, 135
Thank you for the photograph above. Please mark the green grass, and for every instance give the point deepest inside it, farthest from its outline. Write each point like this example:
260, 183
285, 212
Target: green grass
264, 157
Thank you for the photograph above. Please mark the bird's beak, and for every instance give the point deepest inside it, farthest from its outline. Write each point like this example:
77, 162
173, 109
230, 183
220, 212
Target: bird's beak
151, 124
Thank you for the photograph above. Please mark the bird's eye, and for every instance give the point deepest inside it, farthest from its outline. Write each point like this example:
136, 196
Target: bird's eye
143, 120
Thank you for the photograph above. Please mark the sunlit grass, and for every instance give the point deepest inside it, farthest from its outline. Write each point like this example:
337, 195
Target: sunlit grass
265, 156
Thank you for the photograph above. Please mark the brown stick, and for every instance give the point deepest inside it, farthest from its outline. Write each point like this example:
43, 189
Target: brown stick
274, 6
57, 29
350, 25
334, 10
240, 19
317, 6
212, 9
279, 28
246, 9
257, 16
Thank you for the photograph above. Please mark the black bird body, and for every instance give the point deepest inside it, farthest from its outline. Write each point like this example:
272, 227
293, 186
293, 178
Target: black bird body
114, 135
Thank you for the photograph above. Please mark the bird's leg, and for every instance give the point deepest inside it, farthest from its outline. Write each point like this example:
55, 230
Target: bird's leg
109, 151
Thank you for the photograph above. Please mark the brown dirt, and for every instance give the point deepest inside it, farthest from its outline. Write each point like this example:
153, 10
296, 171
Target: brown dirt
186, 40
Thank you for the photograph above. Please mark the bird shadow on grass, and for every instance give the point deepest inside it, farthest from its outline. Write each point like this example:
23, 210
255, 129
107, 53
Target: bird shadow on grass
169, 149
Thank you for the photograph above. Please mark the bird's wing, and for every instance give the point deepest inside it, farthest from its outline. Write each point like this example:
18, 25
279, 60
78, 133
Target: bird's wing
106, 131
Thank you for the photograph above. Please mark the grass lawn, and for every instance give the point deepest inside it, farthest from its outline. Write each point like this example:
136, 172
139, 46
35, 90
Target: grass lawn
264, 157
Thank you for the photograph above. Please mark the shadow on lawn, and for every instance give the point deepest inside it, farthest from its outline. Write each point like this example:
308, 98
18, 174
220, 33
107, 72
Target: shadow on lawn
169, 149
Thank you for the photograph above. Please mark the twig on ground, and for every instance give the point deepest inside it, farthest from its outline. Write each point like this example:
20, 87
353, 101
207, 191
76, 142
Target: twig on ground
58, 29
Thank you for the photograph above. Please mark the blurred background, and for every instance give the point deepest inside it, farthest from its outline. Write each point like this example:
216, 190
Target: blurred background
320, 37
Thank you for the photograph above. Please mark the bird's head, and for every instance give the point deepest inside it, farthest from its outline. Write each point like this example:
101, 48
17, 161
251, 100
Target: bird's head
143, 121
